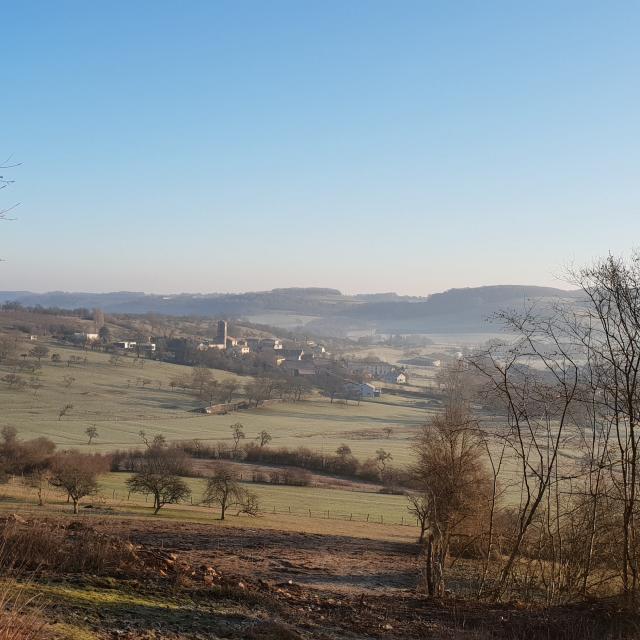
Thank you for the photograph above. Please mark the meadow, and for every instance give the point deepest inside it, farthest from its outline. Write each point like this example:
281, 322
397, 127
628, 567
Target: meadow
114, 399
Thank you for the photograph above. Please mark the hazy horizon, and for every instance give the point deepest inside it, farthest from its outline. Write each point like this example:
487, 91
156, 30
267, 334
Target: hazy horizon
248, 291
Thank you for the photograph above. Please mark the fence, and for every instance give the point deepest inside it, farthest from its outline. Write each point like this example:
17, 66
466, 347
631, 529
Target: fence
316, 514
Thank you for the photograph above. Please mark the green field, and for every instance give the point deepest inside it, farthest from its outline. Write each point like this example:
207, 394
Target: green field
301, 501
112, 398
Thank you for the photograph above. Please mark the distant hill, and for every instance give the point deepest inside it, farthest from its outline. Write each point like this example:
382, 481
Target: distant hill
331, 312
456, 309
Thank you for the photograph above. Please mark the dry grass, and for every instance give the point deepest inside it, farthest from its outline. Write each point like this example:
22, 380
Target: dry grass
72, 548
20, 617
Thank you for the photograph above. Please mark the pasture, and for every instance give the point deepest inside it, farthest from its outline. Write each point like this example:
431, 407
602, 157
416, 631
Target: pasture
123, 399
309, 509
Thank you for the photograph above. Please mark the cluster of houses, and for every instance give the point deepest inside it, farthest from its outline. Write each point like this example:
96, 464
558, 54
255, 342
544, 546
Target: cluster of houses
377, 370
308, 360
243, 346
131, 345
81, 337
369, 371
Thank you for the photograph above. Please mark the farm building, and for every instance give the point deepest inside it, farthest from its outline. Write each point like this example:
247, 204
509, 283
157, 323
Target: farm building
396, 377
373, 368
362, 390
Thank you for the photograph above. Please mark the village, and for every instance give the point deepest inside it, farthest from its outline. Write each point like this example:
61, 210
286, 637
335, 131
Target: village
351, 378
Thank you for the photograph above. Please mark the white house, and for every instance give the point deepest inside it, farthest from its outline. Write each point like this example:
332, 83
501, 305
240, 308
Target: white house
396, 377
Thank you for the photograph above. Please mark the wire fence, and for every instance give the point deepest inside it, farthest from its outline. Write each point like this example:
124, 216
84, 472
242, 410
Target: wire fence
19, 488
316, 514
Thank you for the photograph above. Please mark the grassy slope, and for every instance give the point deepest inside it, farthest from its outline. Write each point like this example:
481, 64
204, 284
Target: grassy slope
108, 397
338, 503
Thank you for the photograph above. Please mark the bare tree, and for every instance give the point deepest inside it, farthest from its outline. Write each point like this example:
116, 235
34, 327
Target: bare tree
610, 333
158, 475
64, 410
343, 451
420, 508
92, 432
263, 438
77, 474
536, 404
382, 457
260, 389
451, 480
201, 380
38, 479
237, 433
227, 388
224, 490
39, 351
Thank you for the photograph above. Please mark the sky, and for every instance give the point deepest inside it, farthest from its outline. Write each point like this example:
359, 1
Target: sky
364, 145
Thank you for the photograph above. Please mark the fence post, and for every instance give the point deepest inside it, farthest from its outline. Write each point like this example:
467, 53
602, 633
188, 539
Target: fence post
309, 512
367, 517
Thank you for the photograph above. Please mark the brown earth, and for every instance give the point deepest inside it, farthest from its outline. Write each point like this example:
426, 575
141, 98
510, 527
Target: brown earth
186, 580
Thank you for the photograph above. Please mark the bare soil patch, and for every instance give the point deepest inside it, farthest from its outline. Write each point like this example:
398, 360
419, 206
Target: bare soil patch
185, 580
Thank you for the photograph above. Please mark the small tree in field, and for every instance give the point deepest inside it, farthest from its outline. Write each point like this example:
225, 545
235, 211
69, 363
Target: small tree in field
159, 475
237, 433
263, 438
77, 474
64, 410
92, 432
38, 480
227, 388
382, 457
39, 352
224, 490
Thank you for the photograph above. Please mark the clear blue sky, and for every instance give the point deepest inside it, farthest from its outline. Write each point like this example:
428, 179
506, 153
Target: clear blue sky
369, 146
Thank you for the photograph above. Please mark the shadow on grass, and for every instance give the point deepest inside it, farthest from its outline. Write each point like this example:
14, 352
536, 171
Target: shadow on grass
122, 608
